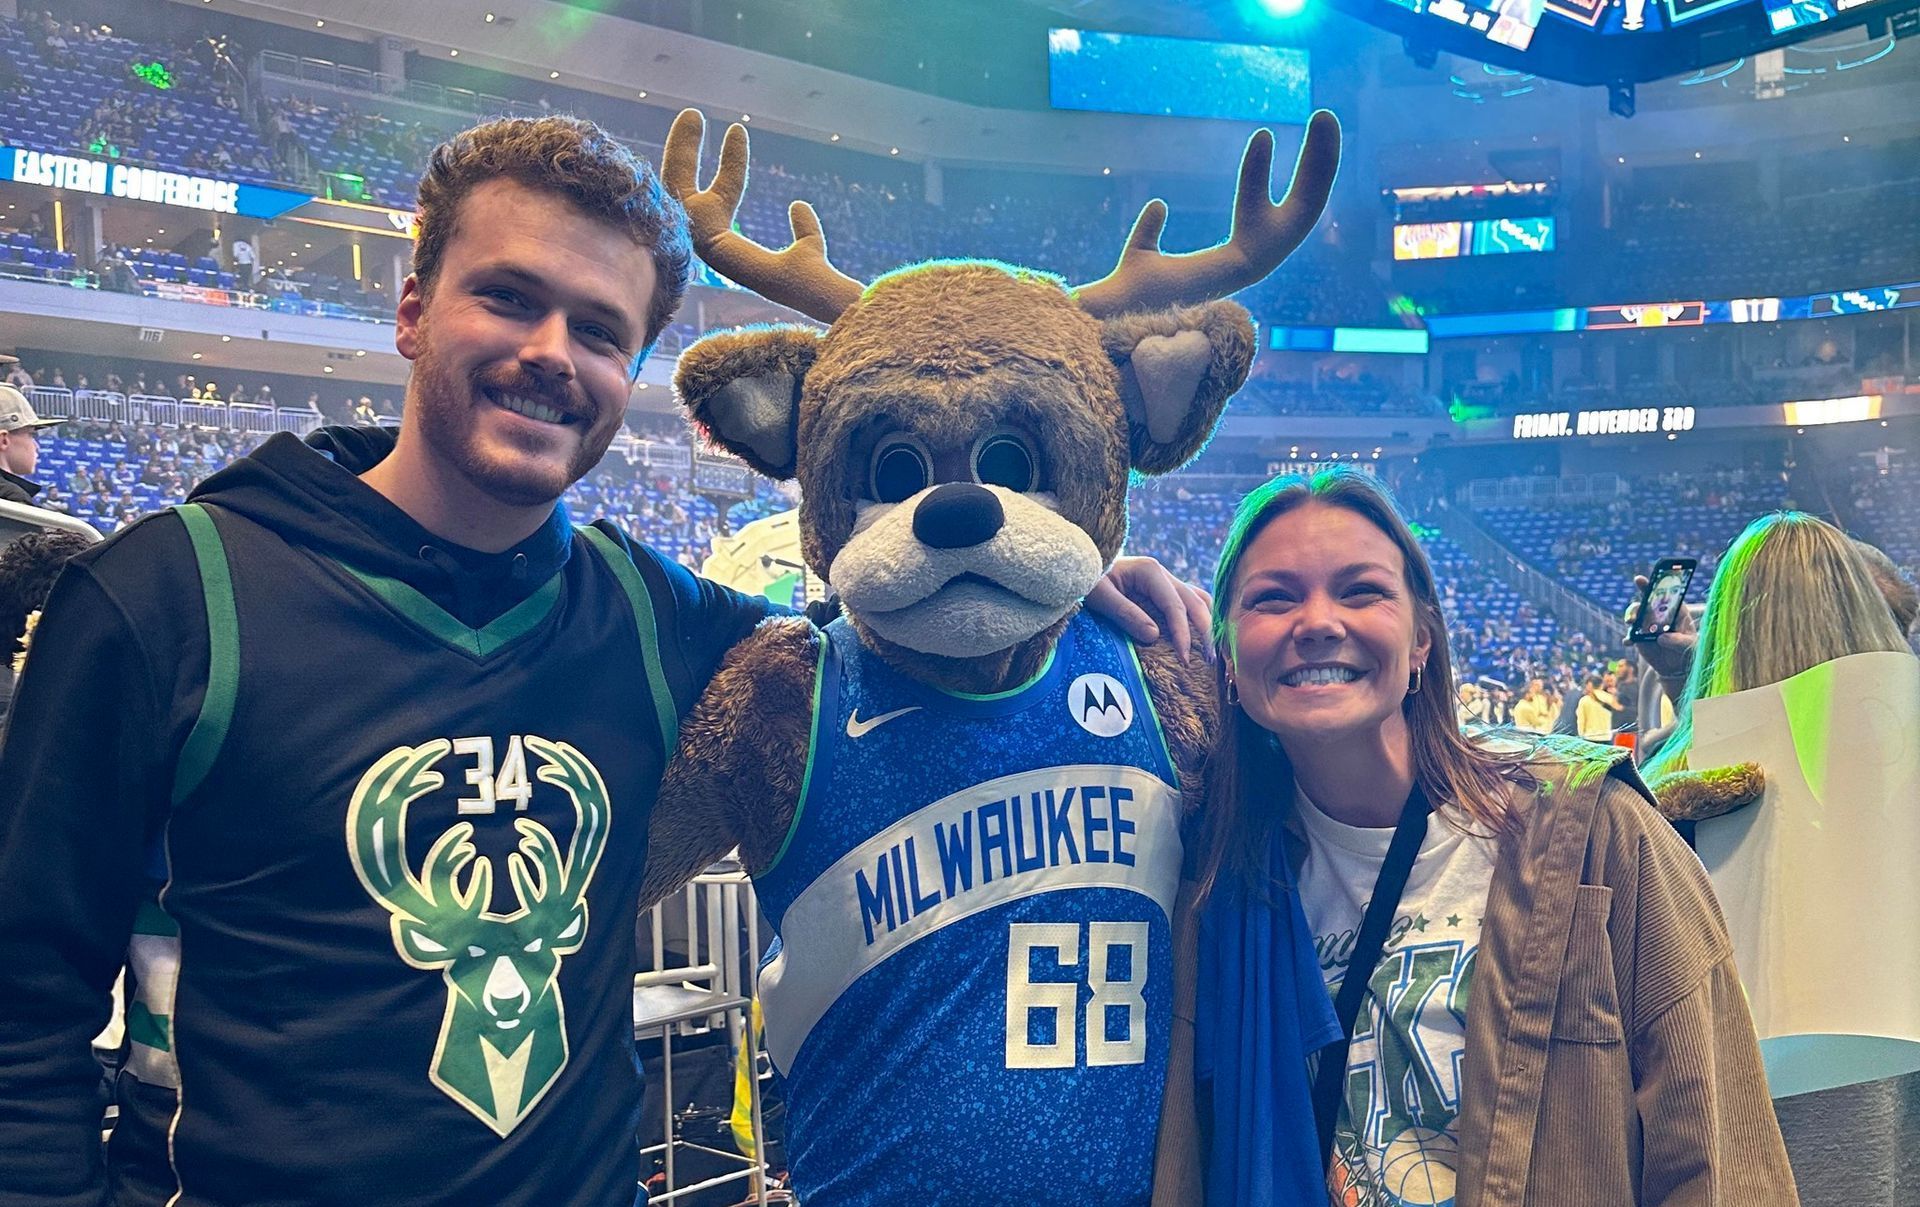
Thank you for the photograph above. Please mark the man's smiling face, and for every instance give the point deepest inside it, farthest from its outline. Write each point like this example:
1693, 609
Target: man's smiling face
526, 347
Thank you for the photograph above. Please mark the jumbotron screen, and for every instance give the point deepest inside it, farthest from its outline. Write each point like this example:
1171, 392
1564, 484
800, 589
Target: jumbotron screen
1613, 41
1177, 77
1474, 237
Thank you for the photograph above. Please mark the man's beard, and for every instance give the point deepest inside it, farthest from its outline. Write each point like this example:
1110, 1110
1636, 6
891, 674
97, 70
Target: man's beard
446, 411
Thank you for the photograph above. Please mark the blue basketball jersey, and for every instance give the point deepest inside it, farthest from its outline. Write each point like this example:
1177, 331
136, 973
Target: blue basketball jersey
970, 995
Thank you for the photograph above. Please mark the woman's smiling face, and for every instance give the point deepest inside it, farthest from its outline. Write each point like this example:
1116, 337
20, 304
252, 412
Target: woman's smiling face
1323, 632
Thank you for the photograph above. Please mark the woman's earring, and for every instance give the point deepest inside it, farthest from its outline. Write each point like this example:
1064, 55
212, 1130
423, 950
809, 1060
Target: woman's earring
1233, 692
1414, 688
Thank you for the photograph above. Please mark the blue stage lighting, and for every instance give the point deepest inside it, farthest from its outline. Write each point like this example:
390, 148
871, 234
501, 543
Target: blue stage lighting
1281, 10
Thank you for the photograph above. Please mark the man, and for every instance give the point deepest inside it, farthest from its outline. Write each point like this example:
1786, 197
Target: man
243, 259
1593, 716
20, 432
1534, 711
361, 748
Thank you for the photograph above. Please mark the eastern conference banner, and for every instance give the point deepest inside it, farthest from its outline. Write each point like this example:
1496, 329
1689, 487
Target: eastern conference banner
1817, 879
123, 180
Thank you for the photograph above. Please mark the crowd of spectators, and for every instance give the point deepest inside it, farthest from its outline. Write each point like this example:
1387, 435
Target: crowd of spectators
1362, 394
877, 219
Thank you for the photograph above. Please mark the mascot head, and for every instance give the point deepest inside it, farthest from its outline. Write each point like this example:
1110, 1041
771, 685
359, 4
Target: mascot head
964, 430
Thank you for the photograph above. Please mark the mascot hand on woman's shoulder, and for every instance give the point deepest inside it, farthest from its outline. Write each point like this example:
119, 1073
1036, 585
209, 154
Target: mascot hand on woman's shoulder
961, 803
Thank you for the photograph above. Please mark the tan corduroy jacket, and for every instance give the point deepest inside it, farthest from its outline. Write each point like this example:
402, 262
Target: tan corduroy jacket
1610, 1059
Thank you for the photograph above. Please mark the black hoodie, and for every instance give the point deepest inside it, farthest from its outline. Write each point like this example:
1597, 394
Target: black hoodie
356, 868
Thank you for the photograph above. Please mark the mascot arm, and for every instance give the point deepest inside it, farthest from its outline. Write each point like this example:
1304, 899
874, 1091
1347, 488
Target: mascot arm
735, 779
1183, 697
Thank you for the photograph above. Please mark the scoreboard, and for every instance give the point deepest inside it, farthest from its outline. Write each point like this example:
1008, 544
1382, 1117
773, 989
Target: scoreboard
1614, 41
1471, 237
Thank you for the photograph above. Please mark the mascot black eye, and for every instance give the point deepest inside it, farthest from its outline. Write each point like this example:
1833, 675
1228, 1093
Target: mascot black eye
1005, 460
900, 470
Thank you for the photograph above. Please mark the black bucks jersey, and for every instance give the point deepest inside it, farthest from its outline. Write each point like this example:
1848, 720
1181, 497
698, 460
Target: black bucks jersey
393, 903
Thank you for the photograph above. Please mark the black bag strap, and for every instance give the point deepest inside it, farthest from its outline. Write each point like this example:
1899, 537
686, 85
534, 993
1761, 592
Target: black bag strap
1330, 1078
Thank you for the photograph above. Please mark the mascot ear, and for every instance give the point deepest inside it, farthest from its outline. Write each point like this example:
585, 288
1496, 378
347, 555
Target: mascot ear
1177, 369
742, 388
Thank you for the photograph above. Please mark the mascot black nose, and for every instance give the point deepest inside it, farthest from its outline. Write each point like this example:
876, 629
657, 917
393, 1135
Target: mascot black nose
957, 515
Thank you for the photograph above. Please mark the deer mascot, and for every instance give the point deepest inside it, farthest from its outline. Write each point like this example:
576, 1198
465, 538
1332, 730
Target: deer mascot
961, 803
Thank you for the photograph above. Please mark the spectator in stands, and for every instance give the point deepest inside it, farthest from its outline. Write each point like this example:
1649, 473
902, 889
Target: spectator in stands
1793, 592
244, 259
1471, 706
1534, 711
28, 566
450, 590
1626, 693
1339, 741
20, 430
17, 376
1594, 714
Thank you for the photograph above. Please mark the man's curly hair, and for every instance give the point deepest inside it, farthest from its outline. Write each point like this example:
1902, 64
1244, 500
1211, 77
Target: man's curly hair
570, 157
28, 567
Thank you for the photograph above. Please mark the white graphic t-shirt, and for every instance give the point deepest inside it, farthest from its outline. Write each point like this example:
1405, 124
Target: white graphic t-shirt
1395, 1143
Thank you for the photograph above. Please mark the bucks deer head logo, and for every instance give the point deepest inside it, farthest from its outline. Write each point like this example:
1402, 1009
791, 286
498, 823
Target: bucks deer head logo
503, 1039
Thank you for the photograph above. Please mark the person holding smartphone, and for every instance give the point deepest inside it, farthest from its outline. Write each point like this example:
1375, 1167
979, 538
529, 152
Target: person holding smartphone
1535, 998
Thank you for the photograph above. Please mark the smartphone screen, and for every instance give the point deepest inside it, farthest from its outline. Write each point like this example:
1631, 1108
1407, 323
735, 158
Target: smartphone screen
1665, 595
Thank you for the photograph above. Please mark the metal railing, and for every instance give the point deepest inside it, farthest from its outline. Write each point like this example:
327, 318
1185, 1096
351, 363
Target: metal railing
1542, 490
160, 410
347, 78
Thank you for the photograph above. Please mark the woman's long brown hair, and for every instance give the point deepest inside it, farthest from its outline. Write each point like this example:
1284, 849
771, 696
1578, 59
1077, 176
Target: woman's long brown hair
1250, 782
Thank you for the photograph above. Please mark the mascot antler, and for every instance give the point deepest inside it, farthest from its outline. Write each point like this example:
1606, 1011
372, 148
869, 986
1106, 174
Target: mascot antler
1263, 233
799, 275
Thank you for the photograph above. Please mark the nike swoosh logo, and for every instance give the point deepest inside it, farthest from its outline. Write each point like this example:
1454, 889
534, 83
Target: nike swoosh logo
856, 728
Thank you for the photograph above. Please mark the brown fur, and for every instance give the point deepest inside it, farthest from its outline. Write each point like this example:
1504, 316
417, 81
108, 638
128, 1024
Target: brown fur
771, 351
735, 780
1229, 329
1698, 795
1183, 697
947, 349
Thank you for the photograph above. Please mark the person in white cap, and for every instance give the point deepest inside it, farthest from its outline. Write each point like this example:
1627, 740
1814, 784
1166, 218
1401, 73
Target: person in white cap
19, 444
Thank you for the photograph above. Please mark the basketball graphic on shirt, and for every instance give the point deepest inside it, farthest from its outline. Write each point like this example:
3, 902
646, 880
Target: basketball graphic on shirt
1417, 1168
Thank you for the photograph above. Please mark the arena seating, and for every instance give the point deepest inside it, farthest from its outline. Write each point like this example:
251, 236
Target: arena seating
84, 99
387, 155
109, 477
1886, 512
21, 255
1270, 396
1596, 548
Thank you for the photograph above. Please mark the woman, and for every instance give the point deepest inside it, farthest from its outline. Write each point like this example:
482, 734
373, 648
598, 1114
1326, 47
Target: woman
1852, 1122
1791, 593
1555, 1018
